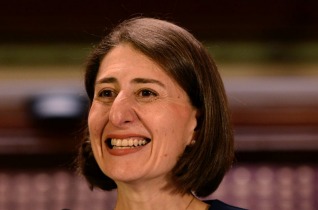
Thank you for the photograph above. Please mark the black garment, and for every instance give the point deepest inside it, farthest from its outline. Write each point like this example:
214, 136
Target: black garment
219, 205
215, 205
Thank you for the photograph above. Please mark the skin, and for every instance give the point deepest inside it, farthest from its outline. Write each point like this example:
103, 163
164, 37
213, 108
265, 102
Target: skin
135, 99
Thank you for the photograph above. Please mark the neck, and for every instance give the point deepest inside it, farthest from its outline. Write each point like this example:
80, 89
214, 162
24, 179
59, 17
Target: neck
154, 198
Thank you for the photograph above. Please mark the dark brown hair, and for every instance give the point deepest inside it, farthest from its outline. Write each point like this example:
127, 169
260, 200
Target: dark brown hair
202, 166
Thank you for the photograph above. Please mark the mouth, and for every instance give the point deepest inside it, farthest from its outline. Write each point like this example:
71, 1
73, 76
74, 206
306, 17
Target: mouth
127, 143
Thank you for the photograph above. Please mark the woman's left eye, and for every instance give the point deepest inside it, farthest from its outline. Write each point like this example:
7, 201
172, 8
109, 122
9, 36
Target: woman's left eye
147, 93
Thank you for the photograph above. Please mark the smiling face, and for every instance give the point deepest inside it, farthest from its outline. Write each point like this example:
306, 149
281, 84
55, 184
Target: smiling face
140, 120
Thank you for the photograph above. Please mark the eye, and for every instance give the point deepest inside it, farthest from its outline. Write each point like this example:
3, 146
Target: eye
107, 94
147, 93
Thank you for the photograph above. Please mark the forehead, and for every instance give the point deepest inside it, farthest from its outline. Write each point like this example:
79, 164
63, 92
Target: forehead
124, 60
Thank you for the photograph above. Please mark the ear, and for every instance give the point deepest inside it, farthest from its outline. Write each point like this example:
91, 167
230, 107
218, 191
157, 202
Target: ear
196, 127
198, 117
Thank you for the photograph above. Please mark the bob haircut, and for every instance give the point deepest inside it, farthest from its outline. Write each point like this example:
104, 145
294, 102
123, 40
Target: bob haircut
202, 166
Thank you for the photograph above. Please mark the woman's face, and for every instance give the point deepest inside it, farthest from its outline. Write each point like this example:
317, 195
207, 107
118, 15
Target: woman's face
140, 120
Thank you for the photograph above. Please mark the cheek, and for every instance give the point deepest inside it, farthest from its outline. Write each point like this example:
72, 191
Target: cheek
175, 126
181, 120
97, 119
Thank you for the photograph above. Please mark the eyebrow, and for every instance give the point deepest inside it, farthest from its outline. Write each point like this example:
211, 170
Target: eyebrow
136, 81
145, 81
107, 80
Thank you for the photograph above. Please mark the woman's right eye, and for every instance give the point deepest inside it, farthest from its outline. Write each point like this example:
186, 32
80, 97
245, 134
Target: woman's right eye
107, 94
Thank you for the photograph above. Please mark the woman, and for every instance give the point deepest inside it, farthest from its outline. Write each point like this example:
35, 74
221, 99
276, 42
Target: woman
158, 124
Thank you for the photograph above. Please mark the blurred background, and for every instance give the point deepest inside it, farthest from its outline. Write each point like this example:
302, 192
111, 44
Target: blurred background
267, 53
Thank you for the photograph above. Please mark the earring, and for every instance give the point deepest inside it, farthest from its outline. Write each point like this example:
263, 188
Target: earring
192, 142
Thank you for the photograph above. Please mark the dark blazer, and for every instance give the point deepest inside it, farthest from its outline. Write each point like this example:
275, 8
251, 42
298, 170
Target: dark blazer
215, 205
219, 205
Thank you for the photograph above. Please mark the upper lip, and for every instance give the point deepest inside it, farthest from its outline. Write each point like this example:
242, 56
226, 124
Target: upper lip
126, 136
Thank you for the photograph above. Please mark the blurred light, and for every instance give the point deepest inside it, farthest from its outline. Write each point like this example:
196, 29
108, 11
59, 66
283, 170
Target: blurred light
58, 106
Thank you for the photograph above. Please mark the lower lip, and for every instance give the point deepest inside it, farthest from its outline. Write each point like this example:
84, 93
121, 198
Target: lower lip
127, 151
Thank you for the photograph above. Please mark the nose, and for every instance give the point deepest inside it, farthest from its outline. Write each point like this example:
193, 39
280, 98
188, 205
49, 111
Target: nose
122, 111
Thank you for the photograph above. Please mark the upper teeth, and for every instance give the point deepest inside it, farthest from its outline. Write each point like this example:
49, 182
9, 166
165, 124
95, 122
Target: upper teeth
128, 142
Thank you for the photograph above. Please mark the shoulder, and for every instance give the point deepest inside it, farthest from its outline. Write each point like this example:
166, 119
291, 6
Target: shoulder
219, 205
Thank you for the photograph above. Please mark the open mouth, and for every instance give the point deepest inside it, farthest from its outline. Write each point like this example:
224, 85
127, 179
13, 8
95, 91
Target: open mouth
126, 143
